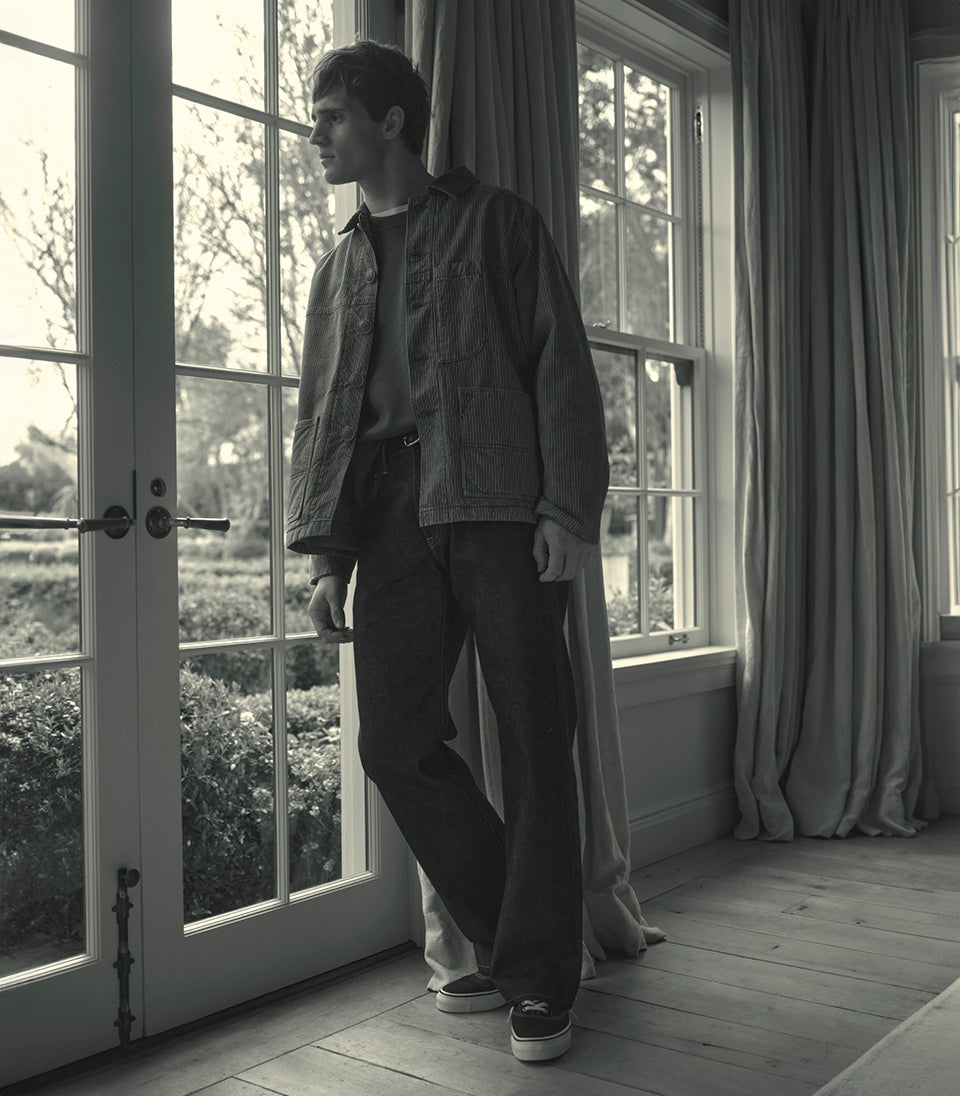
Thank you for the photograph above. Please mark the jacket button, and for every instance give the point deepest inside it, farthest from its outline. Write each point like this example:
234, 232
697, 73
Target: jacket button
370, 276
357, 380
365, 326
347, 433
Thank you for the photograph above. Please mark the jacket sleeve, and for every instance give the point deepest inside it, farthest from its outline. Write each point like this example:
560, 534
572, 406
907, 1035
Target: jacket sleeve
570, 417
331, 562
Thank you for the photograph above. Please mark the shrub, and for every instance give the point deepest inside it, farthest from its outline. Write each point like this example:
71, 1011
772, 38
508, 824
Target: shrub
39, 614
39, 607
228, 809
41, 808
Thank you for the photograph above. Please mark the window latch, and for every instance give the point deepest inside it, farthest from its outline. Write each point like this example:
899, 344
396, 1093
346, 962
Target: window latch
678, 637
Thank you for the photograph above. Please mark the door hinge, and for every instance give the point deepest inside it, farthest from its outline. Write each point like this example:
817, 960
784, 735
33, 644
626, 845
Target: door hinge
126, 878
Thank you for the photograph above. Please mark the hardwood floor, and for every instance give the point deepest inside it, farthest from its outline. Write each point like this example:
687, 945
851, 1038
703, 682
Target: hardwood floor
783, 964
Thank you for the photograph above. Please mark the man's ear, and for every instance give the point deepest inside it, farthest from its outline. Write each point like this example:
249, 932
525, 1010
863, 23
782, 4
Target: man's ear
393, 122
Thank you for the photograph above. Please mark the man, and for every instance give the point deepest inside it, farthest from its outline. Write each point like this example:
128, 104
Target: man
450, 443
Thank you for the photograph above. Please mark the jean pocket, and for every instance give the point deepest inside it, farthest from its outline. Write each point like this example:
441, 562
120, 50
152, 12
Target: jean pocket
461, 310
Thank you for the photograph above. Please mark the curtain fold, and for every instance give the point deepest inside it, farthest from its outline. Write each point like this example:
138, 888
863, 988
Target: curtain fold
828, 739
771, 269
504, 80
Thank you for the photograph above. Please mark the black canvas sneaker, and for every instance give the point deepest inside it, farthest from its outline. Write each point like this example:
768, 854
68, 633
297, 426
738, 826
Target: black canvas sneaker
537, 1032
471, 993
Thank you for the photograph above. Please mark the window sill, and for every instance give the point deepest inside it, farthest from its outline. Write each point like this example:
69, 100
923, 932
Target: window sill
649, 678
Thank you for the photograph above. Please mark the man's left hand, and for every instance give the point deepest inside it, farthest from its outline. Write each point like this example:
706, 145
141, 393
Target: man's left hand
560, 554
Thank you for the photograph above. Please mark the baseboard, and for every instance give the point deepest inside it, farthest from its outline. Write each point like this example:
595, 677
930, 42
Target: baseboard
681, 826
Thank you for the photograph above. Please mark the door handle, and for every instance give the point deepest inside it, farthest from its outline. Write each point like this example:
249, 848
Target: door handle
115, 522
159, 522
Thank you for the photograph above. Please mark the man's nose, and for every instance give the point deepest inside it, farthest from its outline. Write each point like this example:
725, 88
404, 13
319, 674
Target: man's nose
319, 136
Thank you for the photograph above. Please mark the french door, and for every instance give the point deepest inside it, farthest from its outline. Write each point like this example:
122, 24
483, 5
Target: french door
178, 776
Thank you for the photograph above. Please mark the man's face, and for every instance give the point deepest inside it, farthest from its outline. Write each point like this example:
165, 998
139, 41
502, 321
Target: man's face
351, 143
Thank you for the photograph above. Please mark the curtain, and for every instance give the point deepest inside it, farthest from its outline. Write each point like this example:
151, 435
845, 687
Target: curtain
504, 81
828, 737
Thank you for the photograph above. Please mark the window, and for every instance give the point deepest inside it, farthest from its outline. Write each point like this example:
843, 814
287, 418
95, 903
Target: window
639, 296
939, 231
951, 309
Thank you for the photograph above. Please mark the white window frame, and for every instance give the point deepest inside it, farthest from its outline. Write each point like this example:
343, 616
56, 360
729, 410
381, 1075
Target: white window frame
937, 221
700, 74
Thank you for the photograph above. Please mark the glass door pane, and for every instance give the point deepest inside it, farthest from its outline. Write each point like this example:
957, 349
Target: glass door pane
68, 809
262, 834
41, 710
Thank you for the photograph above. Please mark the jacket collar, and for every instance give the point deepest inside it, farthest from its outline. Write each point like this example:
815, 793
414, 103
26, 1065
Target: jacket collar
454, 184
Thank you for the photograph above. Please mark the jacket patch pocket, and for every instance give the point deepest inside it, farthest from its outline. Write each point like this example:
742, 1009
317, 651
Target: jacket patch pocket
501, 453
461, 310
301, 461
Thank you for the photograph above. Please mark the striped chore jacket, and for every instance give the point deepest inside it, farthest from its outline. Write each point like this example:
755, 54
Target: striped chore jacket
503, 387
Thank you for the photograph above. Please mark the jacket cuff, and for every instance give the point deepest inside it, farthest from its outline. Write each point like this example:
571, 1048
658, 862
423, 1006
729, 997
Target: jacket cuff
586, 531
331, 563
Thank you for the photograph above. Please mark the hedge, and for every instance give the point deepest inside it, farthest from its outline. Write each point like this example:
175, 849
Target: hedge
218, 600
227, 787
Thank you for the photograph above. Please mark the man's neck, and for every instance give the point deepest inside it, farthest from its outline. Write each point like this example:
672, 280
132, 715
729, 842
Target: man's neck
401, 180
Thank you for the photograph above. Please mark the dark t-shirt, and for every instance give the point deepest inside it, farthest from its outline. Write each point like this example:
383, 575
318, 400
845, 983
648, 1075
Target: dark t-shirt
387, 411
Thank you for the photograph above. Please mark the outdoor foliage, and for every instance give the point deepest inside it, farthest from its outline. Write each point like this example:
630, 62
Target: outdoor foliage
41, 813
228, 799
227, 782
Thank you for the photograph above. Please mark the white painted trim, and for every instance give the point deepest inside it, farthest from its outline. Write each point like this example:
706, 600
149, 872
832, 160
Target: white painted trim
938, 90
681, 826
940, 660
672, 43
664, 677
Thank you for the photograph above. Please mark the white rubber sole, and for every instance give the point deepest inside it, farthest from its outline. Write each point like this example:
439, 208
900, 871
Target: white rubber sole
542, 1050
470, 1002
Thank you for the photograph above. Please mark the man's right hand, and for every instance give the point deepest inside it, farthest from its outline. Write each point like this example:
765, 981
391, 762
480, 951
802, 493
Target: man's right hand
326, 610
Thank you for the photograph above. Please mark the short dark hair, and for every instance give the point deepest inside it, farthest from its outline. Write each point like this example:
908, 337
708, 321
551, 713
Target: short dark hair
379, 76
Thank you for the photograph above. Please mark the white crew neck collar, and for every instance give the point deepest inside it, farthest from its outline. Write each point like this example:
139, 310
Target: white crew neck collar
390, 212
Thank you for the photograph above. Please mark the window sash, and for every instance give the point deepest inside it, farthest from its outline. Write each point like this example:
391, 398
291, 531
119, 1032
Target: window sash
690, 548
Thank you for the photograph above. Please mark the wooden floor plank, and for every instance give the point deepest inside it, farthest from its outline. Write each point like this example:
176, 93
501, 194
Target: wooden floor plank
773, 947
816, 986
209, 1055
788, 878
894, 872
311, 1071
664, 875
233, 1086
769, 1011
770, 1053
934, 926
936, 845
604, 1026
745, 895
880, 942
468, 1068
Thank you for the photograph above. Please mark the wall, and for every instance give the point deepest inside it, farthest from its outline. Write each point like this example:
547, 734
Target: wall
677, 727
940, 720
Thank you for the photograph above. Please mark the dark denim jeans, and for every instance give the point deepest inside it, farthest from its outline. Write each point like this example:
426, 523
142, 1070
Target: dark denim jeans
513, 887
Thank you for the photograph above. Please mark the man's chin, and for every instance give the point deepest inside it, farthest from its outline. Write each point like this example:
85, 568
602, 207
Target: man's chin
330, 172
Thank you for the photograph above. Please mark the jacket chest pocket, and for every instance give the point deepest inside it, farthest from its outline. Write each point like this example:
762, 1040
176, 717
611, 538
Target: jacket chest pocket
461, 310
